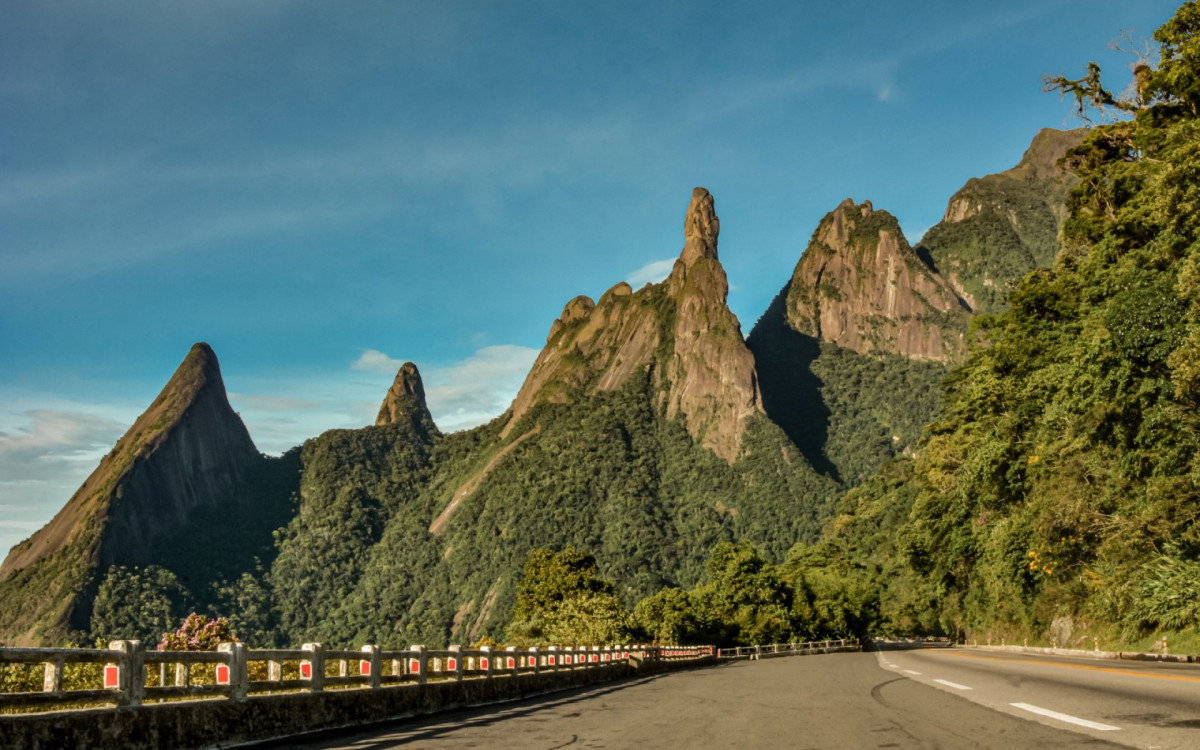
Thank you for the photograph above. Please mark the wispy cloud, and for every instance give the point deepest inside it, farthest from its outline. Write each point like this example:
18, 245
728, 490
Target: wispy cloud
480, 387
51, 441
651, 273
373, 360
45, 454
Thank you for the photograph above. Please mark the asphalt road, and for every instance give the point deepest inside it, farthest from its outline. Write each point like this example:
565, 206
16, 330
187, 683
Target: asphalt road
936, 698
1136, 704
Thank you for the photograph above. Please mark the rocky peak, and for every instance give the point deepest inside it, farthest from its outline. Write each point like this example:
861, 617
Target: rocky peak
700, 228
711, 378
405, 402
860, 285
189, 450
681, 330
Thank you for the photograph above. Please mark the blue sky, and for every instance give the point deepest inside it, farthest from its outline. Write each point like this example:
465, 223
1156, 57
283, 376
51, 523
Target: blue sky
324, 190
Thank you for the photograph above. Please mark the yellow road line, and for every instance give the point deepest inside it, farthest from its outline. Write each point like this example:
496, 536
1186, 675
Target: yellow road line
1131, 673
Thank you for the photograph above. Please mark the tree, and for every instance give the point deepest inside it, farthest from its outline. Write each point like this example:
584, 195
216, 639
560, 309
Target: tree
562, 600
668, 617
136, 603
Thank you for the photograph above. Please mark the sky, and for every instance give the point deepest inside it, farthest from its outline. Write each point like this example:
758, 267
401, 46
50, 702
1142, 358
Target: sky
323, 191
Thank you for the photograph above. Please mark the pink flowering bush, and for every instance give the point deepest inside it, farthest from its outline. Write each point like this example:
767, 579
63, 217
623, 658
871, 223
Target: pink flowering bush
198, 633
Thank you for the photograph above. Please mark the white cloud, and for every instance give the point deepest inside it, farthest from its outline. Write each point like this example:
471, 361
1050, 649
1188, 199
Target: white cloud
479, 388
651, 273
51, 441
373, 360
45, 454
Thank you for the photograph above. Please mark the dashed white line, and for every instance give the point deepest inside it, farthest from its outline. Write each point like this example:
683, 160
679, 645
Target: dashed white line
912, 672
954, 685
1064, 717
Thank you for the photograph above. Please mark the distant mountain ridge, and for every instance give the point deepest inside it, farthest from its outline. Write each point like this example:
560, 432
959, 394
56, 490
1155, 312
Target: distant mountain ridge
999, 227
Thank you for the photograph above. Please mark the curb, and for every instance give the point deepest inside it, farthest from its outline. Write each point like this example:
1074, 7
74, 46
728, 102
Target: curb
1122, 655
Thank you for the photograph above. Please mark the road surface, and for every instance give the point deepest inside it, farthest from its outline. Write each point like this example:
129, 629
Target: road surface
928, 698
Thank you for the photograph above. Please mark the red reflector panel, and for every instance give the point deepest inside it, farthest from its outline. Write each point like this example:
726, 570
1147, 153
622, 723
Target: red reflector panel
112, 677
222, 674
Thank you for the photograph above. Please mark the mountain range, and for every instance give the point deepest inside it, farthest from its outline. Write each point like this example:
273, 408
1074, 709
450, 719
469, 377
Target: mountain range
648, 430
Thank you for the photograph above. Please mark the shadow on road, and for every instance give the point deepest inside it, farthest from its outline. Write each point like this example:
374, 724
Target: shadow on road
432, 726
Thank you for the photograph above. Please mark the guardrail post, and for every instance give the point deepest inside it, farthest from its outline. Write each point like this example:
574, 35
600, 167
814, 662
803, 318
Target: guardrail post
239, 680
372, 666
513, 661
312, 669
488, 659
456, 656
418, 662
131, 675
274, 670
52, 678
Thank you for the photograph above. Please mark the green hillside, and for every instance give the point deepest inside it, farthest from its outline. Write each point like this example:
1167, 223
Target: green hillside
1058, 492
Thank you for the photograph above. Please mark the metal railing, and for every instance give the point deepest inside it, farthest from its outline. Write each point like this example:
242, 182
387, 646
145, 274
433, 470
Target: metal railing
128, 676
787, 649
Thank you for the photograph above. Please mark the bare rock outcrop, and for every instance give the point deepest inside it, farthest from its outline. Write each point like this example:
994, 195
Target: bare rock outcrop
405, 402
681, 330
861, 286
711, 377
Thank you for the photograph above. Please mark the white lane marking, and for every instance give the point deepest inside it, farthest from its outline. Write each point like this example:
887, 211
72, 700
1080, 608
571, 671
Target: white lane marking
1065, 717
954, 685
912, 672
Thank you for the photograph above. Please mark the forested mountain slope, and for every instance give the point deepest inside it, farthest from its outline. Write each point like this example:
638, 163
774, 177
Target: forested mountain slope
1060, 489
852, 352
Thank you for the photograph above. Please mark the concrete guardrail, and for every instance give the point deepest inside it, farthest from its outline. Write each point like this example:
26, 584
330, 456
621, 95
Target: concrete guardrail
212, 701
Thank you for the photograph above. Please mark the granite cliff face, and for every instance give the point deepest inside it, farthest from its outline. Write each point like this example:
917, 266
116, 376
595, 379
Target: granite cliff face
405, 403
710, 378
852, 350
188, 452
861, 286
681, 330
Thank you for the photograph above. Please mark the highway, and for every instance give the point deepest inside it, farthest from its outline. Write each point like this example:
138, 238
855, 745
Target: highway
921, 698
